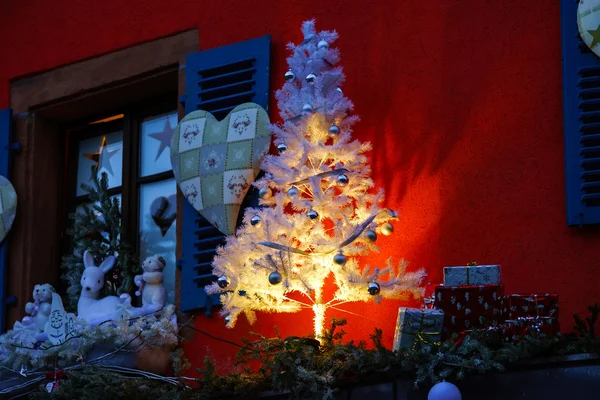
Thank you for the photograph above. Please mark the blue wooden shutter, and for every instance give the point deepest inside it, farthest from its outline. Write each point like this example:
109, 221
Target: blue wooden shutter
217, 80
5, 149
581, 104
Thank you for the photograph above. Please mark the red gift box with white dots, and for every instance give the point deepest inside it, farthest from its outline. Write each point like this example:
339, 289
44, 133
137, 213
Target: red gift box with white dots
529, 313
468, 307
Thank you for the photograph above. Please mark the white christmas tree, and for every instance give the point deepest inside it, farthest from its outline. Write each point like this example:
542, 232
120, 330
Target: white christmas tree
320, 209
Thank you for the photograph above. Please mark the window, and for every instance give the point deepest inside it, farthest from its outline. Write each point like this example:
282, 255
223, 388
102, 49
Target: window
581, 103
47, 103
133, 149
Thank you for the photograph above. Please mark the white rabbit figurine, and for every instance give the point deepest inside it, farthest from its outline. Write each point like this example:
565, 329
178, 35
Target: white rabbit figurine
89, 307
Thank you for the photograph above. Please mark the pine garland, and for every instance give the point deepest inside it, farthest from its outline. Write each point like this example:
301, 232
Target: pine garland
304, 369
97, 227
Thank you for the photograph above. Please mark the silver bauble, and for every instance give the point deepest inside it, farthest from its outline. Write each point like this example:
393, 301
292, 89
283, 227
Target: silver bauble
374, 288
342, 180
371, 235
265, 193
312, 214
387, 229
307, 109
282, 148
289, 76
223, 282
339, 90
255, 220
339, 259
334, 129
322, 45
293, 191
275, 278
310, 78
227, 319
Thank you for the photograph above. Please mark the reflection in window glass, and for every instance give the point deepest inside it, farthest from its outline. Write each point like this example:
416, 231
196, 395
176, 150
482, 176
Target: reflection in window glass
158, 211
106, 152
79, 209
156, 143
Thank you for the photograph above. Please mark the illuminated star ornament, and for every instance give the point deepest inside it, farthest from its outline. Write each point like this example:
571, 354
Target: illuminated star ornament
102, 157
164, 137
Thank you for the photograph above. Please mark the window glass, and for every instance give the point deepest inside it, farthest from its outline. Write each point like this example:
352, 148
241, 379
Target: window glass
156, 143
158, 211
105, 151
79, 209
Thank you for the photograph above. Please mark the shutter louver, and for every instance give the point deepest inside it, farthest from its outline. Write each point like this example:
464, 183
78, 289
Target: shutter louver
581, 104
217, 80
5, 150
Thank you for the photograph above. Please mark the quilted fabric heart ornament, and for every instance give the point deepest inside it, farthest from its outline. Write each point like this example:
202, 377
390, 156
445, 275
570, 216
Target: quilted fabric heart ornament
215, 162
588, 22
8, 206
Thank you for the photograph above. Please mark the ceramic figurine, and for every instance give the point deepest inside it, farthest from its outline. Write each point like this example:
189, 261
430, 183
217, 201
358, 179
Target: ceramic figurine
61, 325
39, 309
90, 308
150, 283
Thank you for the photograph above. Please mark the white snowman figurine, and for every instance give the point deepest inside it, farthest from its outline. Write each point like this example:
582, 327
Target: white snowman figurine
150, 283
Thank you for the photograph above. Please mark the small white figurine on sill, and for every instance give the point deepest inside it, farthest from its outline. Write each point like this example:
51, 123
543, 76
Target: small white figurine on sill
39, 310
61, 325
89, 307
150, 283
25, 332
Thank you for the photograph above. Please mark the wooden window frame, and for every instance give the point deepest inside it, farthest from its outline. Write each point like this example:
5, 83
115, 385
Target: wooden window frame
43, 104
130, 125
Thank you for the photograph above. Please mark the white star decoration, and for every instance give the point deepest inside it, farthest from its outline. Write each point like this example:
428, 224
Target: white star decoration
102, 157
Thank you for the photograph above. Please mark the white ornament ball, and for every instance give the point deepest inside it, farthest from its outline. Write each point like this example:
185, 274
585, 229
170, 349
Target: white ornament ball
293, 191
339, 259
322, 45
275, 278
334, 129
310, 78
255, 220
265, 193
223, 282
227, 319
339, 90
312, 214
371, 235
444, 391
387, 229
374, 289
307, 109
342, 180
289, 76
282, 148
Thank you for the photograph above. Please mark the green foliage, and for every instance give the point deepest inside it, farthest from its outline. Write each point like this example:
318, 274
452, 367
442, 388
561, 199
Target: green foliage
102, 237
94, 383
585, 327
305, 369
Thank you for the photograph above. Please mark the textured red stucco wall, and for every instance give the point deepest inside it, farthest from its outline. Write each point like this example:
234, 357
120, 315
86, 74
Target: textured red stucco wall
461, 100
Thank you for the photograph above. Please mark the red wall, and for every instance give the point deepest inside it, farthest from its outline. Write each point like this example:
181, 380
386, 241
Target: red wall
461, 100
